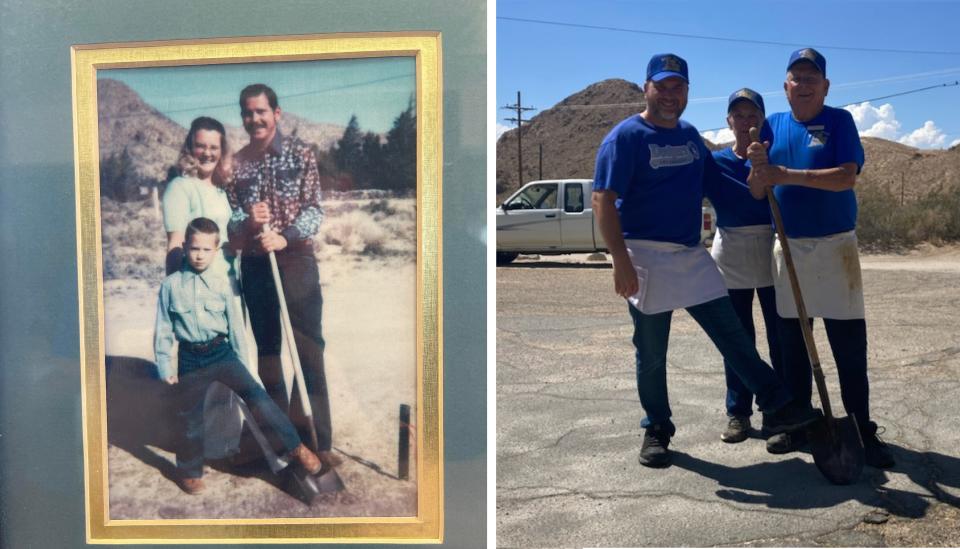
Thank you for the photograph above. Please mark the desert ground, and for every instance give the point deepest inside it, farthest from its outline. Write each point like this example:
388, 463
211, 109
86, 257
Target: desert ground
369, 326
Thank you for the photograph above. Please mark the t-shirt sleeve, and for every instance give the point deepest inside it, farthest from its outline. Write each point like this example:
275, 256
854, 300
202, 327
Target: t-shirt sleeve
711, 176
176, 206
847, 140
766, 133
615, 165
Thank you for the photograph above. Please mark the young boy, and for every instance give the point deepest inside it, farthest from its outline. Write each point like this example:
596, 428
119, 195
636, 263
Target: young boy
196, 308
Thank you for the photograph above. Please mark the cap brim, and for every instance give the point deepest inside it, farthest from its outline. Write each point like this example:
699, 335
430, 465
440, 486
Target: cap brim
667, 74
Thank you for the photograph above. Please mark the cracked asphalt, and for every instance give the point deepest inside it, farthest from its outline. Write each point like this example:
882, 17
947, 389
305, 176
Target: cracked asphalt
568, 422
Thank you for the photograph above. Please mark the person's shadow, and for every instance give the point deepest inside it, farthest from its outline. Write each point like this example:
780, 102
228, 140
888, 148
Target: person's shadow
141, 415
797, 484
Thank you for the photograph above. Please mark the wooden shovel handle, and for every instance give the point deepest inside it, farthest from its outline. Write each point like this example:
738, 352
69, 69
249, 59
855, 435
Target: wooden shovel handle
804, 319
287, 328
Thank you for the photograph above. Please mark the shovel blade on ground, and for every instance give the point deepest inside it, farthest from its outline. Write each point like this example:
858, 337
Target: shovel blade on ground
837, 449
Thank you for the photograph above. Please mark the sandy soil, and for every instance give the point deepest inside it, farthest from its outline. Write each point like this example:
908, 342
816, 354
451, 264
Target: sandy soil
369, 325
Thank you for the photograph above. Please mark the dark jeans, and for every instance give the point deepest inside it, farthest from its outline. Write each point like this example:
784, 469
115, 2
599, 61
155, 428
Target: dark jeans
718, 319
196, 372
739, 398
301, 286
848, 341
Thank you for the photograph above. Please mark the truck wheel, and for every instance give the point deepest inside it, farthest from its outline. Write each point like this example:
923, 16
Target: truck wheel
503, 258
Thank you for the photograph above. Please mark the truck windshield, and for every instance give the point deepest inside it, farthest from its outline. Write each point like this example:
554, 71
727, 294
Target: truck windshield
535, 197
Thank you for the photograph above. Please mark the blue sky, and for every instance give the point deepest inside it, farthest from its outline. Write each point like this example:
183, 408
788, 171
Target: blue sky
375, 89
548, 62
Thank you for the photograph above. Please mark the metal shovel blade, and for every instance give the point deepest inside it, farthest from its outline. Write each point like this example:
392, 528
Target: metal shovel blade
837, 448
329, 481
301, 484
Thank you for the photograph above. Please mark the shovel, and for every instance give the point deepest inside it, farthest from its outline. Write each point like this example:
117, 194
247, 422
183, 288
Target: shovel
835, 441
329, 480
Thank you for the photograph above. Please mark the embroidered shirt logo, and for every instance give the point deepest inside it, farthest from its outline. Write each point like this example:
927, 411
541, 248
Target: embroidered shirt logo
673, 155
818, 136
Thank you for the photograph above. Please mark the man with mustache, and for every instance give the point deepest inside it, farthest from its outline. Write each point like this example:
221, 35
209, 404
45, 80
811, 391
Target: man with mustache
647, 195
277, 182
812, 165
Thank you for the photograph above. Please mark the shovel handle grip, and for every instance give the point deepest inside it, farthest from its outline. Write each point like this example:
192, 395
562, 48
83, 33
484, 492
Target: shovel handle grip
802, 315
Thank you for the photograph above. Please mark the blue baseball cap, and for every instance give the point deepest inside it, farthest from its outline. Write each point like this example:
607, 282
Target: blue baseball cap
665, 65
746, 94
811, 55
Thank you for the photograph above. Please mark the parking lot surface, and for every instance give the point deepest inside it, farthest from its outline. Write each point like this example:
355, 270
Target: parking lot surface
568, 419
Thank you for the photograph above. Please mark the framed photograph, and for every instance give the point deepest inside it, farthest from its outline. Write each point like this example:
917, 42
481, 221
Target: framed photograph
260, 289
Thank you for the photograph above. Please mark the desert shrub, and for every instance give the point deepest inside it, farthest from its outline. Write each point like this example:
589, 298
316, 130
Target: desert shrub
884, 224
134, 242
372, 228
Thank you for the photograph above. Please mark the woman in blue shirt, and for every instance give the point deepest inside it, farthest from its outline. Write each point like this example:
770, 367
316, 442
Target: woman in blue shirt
743, 250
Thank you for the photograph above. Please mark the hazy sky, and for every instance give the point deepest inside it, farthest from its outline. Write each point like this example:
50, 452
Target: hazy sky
872, 48
375, 89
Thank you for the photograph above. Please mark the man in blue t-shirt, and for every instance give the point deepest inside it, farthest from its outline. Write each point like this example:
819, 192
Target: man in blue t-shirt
813, 160
647, 196
743, 249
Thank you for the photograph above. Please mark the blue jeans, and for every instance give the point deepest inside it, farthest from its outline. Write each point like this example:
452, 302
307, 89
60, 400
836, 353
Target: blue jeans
739, 398
848, 341
719, 321
196, 373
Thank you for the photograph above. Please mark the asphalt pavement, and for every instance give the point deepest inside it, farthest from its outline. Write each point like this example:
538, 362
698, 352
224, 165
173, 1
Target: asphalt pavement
568, 419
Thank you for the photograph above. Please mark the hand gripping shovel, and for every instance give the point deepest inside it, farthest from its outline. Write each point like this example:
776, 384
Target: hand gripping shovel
306, 487
835, 441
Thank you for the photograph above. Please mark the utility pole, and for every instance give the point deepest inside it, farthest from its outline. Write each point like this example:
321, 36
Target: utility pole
540, 171
519, 121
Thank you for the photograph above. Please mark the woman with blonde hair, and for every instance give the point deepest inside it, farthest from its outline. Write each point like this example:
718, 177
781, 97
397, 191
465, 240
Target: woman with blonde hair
200, 191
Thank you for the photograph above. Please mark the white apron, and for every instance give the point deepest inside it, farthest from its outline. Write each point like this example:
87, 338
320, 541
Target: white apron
828, 268
672, 276
743, 256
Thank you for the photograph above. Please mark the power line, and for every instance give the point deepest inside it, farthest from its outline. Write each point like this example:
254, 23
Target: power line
722, 38
908, 92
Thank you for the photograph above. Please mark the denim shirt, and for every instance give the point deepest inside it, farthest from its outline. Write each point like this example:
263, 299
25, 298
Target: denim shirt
195, 308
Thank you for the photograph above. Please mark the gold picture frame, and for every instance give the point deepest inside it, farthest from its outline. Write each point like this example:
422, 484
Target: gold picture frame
426, 524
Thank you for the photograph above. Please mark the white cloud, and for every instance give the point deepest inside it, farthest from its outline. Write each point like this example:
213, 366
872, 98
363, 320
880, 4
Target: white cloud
717, 137
502, 128
882, 122
875, 122
929, 136
954, 143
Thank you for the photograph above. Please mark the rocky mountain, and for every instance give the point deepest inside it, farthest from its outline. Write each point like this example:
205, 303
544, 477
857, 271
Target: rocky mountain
152, 141
571, 131
126, 122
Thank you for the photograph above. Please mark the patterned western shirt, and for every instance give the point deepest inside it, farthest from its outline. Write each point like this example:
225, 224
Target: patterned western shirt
287, 179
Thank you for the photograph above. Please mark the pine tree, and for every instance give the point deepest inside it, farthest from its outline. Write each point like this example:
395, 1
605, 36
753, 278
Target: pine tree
373, 171
400, 152
349, 152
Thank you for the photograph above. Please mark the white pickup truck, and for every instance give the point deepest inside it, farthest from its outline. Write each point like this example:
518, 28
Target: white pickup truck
556, 217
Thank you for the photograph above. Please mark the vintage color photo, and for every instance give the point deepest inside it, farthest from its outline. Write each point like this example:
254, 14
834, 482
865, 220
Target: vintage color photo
262, 284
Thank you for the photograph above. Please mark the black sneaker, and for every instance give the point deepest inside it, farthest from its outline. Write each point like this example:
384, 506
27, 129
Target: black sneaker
784, 443
876, 452
790, 417
653, 452
737, 429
